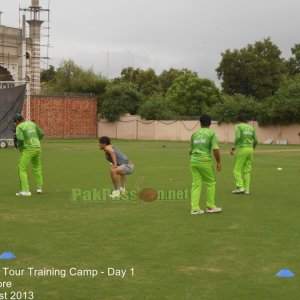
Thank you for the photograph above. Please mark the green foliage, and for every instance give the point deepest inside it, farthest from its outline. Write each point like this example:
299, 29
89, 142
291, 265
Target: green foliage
48, 74
120, 99
285, 111
145, 80
284, 107
256, 70
88, 82
71, 78
294, 62
192, 95
253, 73
157, 107
167, 78
233, 105
67, 72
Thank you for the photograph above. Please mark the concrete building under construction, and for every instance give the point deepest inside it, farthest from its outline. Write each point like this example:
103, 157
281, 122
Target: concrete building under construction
20, 48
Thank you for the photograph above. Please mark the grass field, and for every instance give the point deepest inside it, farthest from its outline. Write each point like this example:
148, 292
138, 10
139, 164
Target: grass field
166, 252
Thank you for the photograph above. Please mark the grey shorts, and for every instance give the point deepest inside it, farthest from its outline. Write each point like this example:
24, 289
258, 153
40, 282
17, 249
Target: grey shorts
128, 168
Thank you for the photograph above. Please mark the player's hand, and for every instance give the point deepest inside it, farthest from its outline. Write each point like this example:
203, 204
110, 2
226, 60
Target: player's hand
219, 167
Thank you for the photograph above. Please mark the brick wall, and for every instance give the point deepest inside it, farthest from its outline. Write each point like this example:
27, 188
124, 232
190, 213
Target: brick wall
64, 117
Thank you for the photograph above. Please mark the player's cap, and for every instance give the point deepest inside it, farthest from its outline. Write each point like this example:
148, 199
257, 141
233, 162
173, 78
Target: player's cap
18, 117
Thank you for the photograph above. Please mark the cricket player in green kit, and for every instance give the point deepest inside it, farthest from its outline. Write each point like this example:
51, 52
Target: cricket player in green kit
245, 143
203, 141
29, 135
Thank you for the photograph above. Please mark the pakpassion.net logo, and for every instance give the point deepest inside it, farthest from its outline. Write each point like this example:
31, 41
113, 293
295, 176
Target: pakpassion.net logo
146, 194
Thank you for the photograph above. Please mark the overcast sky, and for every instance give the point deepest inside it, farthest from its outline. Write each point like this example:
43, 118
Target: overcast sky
109, 35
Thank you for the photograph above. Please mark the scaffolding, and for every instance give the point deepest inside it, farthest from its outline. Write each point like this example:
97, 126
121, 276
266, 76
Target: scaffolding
36, 22
24, 49
35, 13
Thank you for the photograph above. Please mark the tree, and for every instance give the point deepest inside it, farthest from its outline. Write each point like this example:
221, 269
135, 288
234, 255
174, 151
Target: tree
284, 107
87, 81
256, 70
48, 74
65, 75
120, 99
294, 62
233, 105
146, 80
70, 78
157, 107
192, 95
167, 77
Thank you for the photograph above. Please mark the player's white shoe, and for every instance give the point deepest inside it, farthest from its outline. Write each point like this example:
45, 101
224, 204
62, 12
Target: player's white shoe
23, 193
115, 194
213, 210
247, 192
238, 191
39, 190
197, 212
123, 191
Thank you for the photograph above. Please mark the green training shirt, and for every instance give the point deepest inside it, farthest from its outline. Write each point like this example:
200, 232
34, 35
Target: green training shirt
202, 142
29, 135
245, 136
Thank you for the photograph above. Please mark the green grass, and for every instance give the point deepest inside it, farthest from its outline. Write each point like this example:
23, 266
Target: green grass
231, 255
